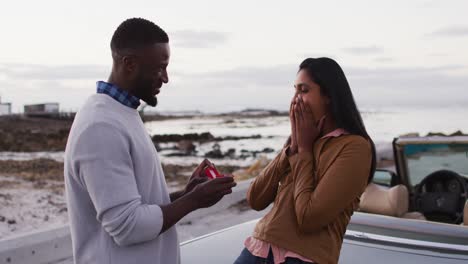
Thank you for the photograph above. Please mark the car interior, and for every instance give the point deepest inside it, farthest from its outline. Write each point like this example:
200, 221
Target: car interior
436, 198
428, 181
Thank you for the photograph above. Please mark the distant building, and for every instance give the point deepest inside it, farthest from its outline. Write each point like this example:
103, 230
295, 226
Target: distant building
5, 108
46, 109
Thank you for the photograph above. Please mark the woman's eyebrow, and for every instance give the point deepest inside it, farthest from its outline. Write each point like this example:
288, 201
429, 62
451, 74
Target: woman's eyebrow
299, 85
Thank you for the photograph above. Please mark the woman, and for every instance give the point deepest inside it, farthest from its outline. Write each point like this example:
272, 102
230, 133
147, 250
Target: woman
316, 181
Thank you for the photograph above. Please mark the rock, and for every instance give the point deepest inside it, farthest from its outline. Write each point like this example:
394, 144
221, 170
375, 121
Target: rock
241, 206
2, 218
238, 138
414, 134
268, 150
186, 146
231, 153
11, 222
215, 153
203, 137
456, 133
157, 146
46, 218
177, 154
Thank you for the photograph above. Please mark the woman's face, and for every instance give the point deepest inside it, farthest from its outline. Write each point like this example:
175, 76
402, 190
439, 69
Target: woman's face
309, 92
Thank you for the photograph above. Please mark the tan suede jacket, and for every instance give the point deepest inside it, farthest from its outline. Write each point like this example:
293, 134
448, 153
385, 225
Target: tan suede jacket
313, 195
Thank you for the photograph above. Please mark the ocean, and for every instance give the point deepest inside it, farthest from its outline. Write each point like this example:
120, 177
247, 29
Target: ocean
382, 124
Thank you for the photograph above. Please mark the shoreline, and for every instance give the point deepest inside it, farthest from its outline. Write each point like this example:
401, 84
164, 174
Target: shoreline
32, 191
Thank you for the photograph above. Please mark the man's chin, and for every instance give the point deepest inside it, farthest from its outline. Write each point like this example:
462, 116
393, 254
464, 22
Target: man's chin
151, 101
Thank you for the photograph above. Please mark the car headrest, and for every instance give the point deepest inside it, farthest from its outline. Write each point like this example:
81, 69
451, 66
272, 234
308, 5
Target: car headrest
392, 201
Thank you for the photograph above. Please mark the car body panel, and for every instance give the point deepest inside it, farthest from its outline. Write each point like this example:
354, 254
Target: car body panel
358, 247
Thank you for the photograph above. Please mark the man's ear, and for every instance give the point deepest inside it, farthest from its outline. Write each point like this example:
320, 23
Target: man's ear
129, 63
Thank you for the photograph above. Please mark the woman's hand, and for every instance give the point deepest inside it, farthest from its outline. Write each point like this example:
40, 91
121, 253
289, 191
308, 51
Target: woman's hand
292, 139
307, 130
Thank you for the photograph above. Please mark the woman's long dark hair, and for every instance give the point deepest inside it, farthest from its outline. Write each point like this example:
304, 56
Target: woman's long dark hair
333, 84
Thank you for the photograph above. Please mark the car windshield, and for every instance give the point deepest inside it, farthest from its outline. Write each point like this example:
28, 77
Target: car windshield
423, 159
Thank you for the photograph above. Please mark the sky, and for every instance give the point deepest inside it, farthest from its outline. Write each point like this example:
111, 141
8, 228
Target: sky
232, 55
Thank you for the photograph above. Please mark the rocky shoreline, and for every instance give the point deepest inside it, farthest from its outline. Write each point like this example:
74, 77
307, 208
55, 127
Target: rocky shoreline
32, 189
33, 134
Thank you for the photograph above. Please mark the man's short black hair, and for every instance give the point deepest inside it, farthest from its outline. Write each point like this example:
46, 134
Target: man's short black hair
135, 33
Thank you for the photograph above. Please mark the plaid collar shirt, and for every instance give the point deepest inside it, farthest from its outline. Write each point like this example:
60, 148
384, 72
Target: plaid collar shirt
118, 94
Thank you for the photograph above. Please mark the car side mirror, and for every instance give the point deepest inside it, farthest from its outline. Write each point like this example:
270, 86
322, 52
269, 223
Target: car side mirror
385, 177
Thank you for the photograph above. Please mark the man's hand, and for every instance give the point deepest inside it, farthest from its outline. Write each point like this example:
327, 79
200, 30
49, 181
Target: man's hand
198, 172
196, 178
307, 130
208, 193
202, 195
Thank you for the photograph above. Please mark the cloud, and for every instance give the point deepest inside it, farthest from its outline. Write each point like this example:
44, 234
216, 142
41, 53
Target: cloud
410, 86
450, 31
384, 59
198, 39
243, 87
272, 87
439, 54
364, 50
60, 72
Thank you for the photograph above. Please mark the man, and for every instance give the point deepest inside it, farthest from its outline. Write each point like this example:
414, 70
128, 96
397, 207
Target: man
119, 207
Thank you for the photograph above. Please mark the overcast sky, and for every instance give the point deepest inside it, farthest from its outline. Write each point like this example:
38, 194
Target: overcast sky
229, 55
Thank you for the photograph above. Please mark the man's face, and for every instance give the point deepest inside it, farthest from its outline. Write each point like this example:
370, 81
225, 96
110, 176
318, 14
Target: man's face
151, 72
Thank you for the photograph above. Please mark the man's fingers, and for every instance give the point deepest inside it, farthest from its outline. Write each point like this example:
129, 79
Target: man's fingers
226, 192
222, 183
222, 180
199, 170
217, 188
198, 180
205, 163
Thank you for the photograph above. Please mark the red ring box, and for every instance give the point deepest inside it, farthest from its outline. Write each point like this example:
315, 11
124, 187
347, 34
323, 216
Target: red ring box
212, 173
